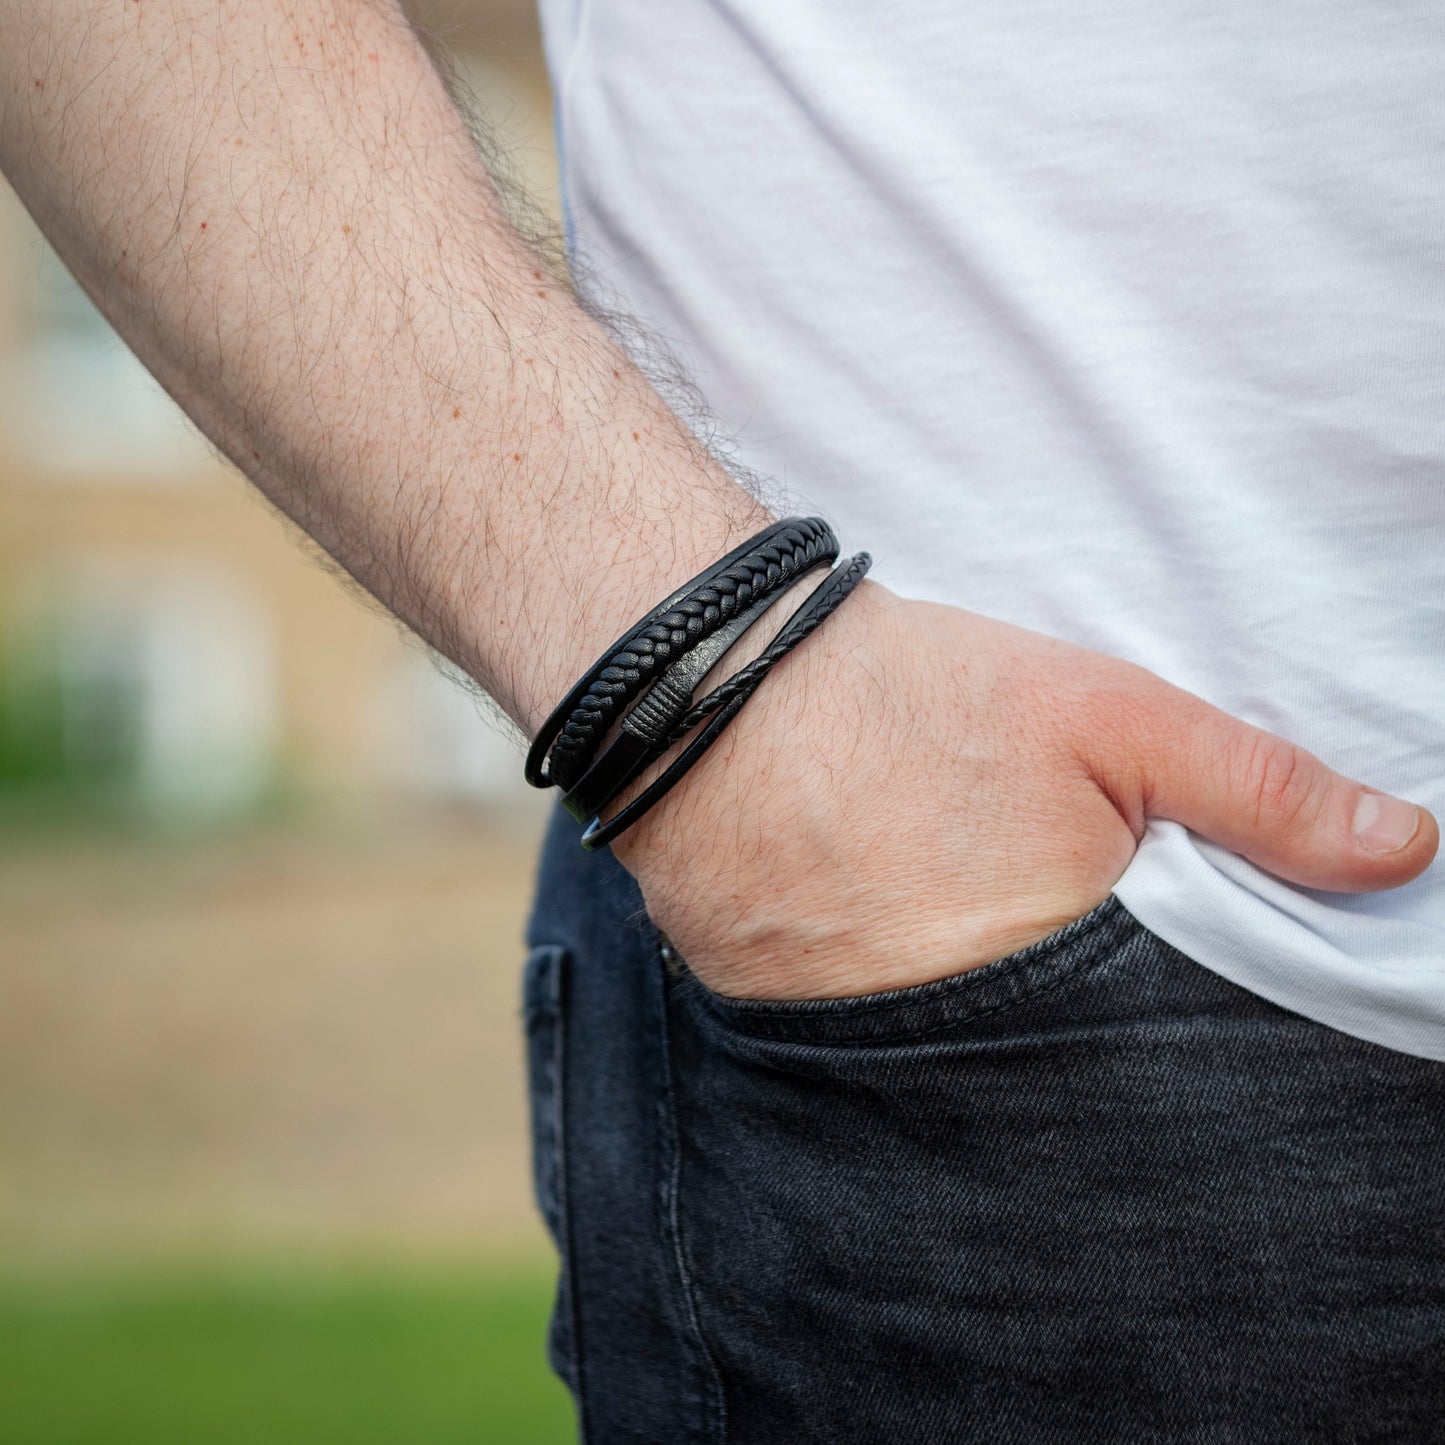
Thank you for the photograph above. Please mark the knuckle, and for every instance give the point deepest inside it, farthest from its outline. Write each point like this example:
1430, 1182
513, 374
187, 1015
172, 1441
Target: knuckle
1279, 781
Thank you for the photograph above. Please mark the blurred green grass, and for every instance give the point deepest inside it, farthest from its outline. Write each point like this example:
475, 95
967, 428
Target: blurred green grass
361, 1355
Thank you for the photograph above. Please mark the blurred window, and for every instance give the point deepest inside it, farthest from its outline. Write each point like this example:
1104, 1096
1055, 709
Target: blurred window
443, 742
152, 687
79, 401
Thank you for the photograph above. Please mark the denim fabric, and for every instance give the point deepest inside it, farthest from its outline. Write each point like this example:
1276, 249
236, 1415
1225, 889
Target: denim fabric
1091, 1192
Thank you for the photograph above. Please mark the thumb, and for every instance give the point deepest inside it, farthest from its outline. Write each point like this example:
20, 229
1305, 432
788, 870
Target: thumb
1276, 804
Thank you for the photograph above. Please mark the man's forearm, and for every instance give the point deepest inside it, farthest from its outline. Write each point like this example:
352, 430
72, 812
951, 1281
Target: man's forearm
281, 210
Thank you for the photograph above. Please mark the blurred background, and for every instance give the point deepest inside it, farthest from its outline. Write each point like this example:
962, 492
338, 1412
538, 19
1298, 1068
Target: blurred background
263, 876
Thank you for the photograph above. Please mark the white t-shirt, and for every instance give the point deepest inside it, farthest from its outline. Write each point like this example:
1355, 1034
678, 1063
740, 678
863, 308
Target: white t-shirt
1125, 322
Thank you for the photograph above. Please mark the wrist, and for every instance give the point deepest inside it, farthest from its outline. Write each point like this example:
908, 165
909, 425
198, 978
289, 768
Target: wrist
598, 590
806, 713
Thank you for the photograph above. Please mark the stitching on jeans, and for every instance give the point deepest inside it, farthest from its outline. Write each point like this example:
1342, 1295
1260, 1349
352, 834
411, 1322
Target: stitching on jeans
946, 989
717, 1405
1069, 975
560, 963
1004, 967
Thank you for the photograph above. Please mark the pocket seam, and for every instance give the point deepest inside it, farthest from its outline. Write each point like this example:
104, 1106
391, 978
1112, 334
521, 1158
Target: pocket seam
913, 994
1068, 975
1060, 957
544, 1003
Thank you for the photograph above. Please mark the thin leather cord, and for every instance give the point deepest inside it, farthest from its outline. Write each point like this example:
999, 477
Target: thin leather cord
728, 700
643, 733
570, 738
536, 770
647, 652
799, 626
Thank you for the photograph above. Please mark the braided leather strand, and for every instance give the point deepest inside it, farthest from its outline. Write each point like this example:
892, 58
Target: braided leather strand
821, 606
724, 702
643, 654
642, 733
536, 768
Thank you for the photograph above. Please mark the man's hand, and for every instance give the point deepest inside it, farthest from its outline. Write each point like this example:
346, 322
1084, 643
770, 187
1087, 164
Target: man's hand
919, 790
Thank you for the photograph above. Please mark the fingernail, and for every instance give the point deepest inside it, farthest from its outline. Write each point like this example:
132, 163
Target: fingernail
1385, 825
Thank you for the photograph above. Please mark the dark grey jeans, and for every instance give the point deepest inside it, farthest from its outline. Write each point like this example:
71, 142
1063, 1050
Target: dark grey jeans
1092, 1192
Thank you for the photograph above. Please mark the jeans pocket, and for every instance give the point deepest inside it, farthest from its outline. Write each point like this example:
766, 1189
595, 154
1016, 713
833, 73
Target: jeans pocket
544, 992
908, 1014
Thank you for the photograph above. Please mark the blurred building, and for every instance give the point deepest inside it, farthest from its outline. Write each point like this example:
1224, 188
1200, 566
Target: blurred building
167, 644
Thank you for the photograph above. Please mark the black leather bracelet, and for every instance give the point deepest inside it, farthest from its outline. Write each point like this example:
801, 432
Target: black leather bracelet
805, 621
765, 564
727, 700
650, 728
